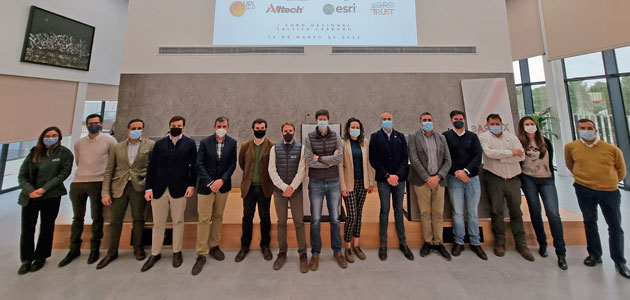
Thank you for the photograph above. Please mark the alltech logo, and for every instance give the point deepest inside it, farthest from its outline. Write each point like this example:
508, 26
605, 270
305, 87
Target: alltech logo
384, 8
281, 9
238, 8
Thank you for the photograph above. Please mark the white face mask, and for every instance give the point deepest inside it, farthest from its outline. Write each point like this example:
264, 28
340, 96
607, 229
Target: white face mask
530, 128
221, 132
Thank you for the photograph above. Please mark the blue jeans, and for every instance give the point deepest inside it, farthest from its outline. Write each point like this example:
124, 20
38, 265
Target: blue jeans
546, 188
317, 189
398, 194
465, 195
610, 202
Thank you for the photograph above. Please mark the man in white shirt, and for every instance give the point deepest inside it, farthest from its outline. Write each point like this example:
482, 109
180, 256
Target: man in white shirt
502, 154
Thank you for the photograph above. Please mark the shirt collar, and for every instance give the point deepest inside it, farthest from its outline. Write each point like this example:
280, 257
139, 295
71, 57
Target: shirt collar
591, 145
261, 142
138, 143
177, 138
463, 132
388, 133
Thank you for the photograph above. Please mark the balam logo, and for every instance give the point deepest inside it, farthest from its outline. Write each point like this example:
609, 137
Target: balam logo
279, 9
384, 8
330, 9
238, 8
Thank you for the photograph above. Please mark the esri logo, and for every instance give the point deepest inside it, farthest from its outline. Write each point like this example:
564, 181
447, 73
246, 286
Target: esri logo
329, 9
238, 8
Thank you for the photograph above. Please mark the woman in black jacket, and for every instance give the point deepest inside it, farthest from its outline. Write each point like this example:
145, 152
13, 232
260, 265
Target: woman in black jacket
41, 178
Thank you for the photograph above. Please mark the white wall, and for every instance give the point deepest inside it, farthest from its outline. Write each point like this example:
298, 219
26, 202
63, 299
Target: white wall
480, 23
108, 16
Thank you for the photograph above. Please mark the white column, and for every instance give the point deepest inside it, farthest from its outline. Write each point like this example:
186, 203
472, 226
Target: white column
79, 107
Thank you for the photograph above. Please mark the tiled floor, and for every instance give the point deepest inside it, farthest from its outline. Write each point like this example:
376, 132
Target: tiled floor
466, 277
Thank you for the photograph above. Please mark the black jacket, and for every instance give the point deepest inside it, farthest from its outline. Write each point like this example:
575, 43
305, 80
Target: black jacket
465, 152
389, 156
48, 174
211, 168
172, 166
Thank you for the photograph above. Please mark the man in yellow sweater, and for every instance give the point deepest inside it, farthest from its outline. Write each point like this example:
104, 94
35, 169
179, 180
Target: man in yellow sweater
597, 168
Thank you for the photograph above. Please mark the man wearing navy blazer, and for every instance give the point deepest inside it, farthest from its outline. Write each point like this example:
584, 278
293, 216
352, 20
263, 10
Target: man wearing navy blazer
216, 161
171, 179
390, 159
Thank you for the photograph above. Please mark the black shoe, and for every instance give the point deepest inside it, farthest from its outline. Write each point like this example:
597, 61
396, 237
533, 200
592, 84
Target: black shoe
177, 259
241, 254
457, 249
266, 253
150, 262
562, 263
440, 249
69, 258
479, 251
382, 252
105, 261
623, 270
425, 250
217, 253
201, 260
37, 264
405, 250
25, 267
543, 251
139, 253
592, 261
94, 255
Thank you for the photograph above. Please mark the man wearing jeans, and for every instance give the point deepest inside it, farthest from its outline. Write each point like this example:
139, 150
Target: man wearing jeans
463, 185
597, 168
389, 158
324, 151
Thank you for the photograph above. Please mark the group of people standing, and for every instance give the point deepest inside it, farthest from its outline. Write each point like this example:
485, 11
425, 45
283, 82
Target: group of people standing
138, 171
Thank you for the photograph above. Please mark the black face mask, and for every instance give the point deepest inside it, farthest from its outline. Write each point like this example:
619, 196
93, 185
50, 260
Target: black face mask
176, 131
288, 137
259, 134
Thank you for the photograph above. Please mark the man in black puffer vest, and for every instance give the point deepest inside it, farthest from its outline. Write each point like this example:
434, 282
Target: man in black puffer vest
324, 151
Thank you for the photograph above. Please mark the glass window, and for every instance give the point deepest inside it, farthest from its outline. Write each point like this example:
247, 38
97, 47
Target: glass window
519, 101
625, 92
16, 154
539, 95
517, 72
584, 65
109, 116
589, 99
623, 59
536, 69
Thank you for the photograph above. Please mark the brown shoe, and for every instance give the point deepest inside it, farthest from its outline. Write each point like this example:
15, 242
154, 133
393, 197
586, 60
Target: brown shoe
357, 250
524, 251
198, 266
150, 262
177, 259
314, 264
499, 250
217, 253
457, 249
303, 263
139, 253
479, 251
105, 261
282, 258
349, 256
340, 260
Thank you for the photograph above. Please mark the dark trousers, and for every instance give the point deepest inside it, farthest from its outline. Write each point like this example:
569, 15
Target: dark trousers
500, 192
546, 188
135, 199
48, 210
610, 202
397, 195
256, 196
79, 193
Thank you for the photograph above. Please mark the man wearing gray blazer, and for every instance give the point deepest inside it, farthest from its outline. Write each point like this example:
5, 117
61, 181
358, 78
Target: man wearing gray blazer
123, 185
430, 163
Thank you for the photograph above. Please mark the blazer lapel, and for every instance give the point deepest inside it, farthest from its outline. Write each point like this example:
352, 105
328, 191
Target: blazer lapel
213, 147
126, 153
423, 142
140, 147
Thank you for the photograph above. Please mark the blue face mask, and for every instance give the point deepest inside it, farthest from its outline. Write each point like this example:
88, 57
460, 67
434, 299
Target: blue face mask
387, 125
50, 141
355, 132
587, 135
496, 129
322, 125
135, 134
94, 128
427, 126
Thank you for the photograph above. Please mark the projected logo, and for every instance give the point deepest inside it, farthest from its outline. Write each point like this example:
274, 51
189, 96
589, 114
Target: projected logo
330, 9
238, 8
279, 9
383, 8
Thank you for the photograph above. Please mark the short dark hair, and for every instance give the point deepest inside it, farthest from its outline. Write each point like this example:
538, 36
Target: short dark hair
221, 119
494, 116
258, 121
585, 120
100, 118
322, 112
177, 118
287, 123
134, 121
457, 112
426, 113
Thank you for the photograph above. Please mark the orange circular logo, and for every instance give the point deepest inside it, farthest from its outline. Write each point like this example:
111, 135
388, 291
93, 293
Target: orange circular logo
237, 8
